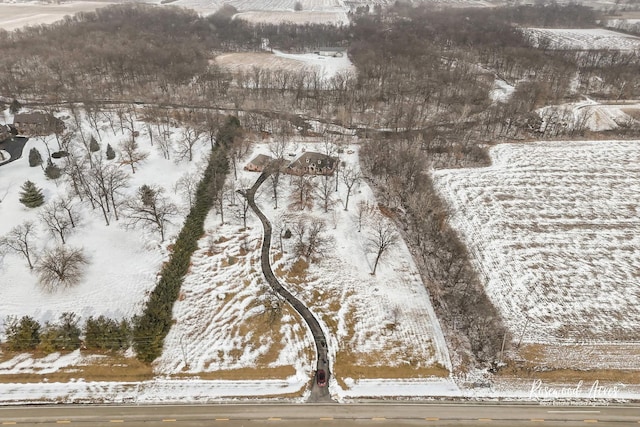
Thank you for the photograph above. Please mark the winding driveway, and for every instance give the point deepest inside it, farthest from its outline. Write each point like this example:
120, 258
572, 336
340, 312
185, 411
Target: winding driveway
318, 394
14, 147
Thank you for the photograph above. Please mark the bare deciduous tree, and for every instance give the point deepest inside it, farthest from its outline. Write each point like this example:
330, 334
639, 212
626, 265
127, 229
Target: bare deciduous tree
362, 212
190, 137
350, 177
310, 237
302, 190
151, 207
59, 218
186, 186
325, 190
61, 267
164, 144
20, 241
131, 154
242, 203
382, 236
278, 149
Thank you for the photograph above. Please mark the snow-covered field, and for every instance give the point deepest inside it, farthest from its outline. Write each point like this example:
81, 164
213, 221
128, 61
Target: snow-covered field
246, 62
553, 230
336, 16
589, 115
581, 39
18, 15
123, 261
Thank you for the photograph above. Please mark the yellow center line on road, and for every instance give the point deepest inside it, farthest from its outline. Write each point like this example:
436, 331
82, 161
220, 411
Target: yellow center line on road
326, 418
537, 420
274, 419
169, 420
378, 419
432, 419
485, 419
590, 421
222, 419
10, 423
63, 422
116, 421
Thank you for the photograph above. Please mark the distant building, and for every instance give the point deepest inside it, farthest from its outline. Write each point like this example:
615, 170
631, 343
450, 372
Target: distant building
313, 164
335, 52
37, 123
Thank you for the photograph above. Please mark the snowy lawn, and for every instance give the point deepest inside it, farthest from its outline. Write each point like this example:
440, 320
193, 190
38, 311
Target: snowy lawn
123, 261
228, 323
553, 230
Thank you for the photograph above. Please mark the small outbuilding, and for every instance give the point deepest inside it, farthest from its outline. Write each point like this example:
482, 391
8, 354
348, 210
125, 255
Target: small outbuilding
258, 163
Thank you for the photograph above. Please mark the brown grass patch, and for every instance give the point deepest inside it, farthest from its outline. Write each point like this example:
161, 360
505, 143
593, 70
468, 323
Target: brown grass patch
350, 365
297, 274
386, 211
108, 368
272, 373
554, 363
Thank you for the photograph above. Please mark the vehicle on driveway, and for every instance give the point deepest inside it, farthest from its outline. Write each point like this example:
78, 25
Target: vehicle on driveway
321, 378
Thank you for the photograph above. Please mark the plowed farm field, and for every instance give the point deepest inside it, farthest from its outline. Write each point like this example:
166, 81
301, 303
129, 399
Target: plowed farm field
554, 230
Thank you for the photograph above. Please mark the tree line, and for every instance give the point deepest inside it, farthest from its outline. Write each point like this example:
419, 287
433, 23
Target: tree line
97, 333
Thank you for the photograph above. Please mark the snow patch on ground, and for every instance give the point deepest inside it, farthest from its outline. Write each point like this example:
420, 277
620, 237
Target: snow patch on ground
501, 91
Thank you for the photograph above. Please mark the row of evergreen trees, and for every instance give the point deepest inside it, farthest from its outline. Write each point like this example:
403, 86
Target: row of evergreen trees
151, 328
101, 333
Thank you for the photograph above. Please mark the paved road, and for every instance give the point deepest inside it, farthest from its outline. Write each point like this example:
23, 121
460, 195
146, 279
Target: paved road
318, 394
328, 415
14, 147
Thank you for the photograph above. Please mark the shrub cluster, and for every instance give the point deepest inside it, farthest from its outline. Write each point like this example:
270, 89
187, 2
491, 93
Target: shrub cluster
27, 334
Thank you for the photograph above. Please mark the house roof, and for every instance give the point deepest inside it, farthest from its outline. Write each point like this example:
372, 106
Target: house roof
331, 49
261, 160
35, 118
319, 159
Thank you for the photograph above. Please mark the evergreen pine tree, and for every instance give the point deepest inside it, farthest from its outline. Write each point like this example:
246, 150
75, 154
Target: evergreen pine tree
15, 106
52, 171
35, 159
31, 196
110, 153
22, 335
93, 145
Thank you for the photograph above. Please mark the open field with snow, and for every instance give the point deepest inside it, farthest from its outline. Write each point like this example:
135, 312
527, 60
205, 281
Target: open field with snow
553, 230
18, 15
247, 61
581, 39
338, 17
588, 115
